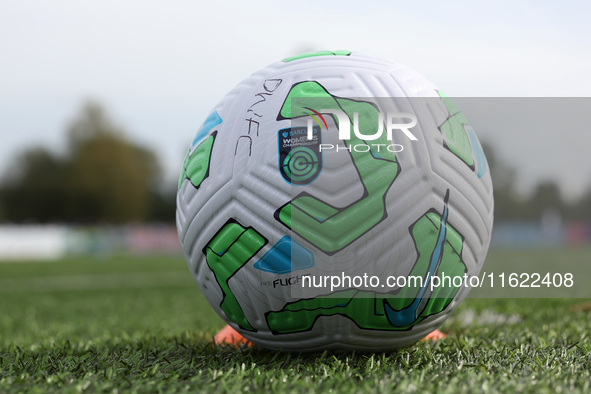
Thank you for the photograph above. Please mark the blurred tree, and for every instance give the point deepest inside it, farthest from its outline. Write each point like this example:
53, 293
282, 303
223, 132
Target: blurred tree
508, 204
581, 209
545, 199
109, 178
546, 196
163, 205
103, 177
34, 188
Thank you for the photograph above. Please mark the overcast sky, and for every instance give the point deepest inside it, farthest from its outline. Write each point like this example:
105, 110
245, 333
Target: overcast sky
159, 67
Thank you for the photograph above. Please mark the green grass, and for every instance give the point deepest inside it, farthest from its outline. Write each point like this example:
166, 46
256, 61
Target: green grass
120, 324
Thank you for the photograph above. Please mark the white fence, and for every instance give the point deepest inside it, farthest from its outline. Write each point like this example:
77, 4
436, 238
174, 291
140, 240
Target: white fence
51, 242
33, 242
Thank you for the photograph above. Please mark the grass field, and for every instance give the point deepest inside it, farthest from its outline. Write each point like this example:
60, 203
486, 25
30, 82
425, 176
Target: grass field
121, 324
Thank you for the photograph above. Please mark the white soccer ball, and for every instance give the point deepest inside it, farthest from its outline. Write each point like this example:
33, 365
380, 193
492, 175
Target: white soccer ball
332, 201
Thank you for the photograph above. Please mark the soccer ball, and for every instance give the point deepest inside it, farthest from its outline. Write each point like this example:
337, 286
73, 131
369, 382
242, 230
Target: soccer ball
335, 200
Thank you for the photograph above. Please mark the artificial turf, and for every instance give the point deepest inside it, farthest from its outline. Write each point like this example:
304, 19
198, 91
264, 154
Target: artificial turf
140, 324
